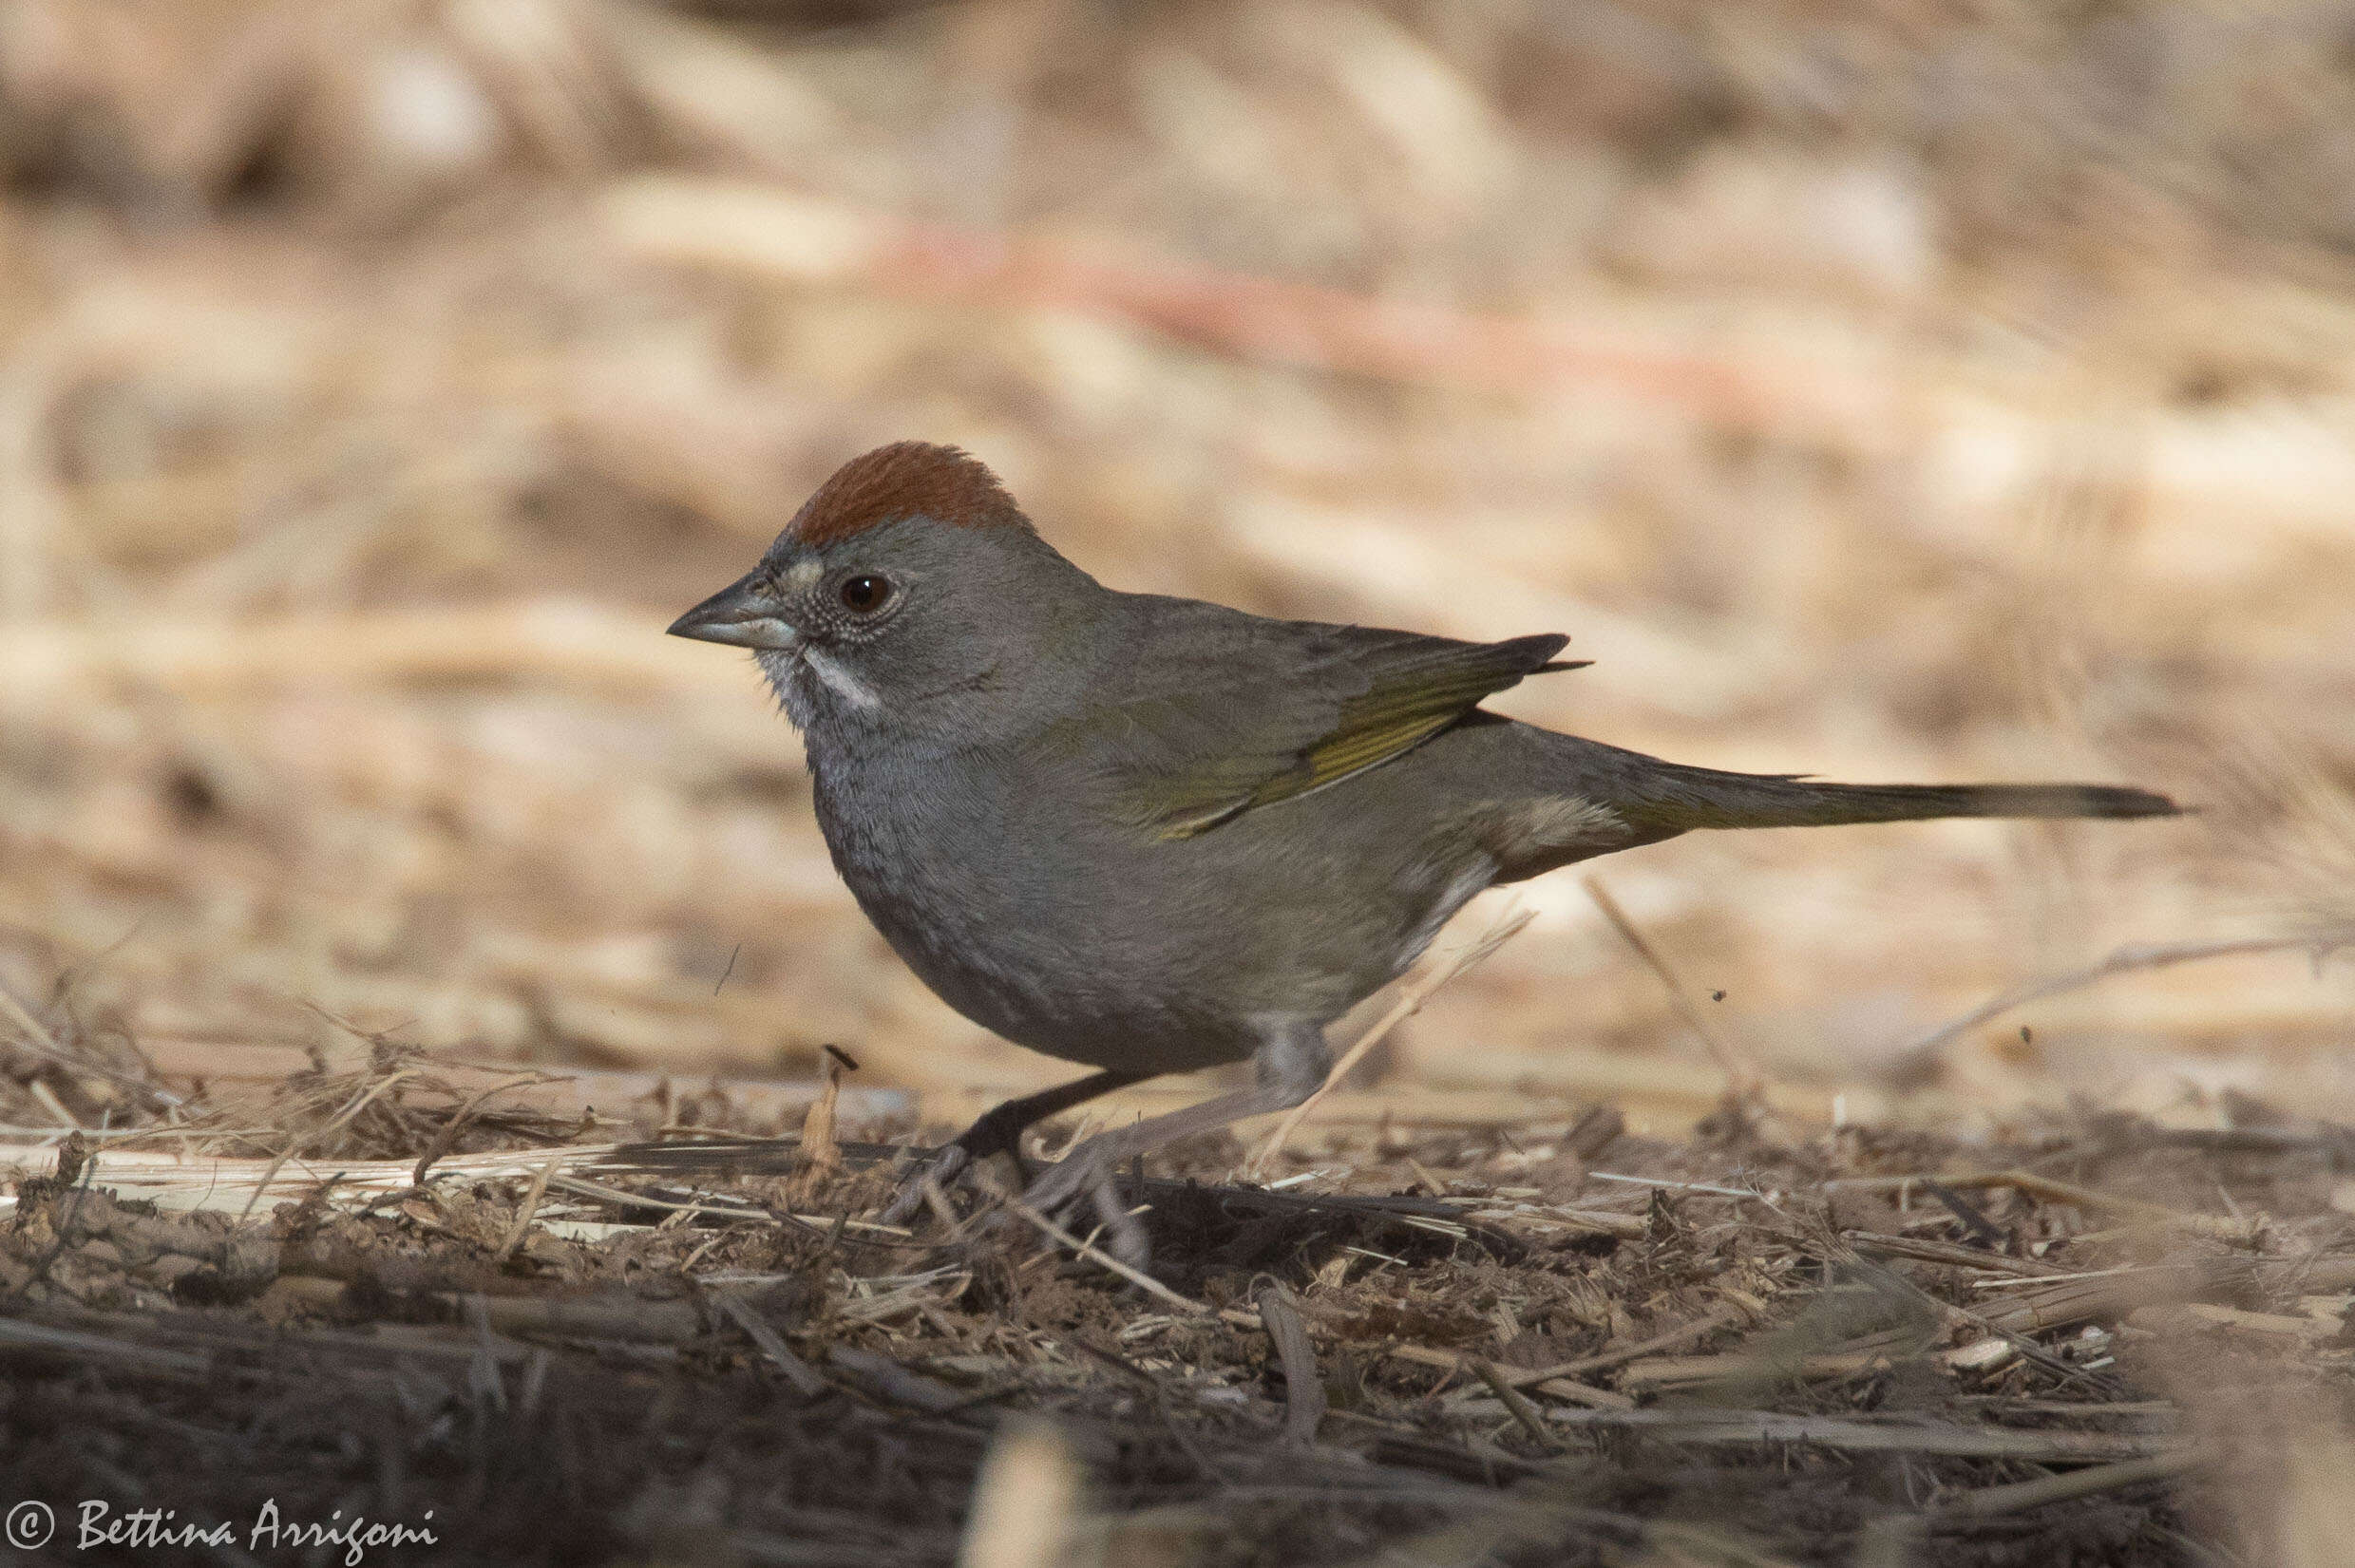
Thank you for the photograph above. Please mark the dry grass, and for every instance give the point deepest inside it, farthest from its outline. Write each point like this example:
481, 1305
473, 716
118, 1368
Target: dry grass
1880, 391
1571, 1345
378, 385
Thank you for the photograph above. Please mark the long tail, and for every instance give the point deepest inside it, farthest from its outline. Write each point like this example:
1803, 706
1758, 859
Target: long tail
1672, 797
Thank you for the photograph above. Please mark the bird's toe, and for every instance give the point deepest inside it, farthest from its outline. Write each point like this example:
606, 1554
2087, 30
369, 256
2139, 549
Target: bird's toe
943, 1168
1082, 1194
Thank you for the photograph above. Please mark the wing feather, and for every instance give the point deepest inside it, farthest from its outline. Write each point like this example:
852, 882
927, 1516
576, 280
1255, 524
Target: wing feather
1237, 737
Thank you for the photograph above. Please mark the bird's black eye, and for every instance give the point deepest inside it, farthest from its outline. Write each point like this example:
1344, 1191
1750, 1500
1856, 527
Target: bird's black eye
864, 594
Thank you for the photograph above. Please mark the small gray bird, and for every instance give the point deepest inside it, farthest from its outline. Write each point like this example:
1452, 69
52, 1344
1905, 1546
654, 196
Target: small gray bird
1151, 834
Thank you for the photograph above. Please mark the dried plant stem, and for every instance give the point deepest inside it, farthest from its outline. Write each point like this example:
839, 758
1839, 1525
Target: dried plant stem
529, 1207
804, 1378
447, 1138
37, 1039
1695, 1330
359, 1102
1921, 1056
1094, 1253
36, 1033
2051, 1190
821, 1151
1517, 1403
1684, 1542
1744, 1078
50, 1102
1989, 1501
1951, 1253
1411, 1000
1303, 1391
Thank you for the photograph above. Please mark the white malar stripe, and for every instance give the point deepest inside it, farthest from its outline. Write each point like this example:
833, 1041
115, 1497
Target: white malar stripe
840, 680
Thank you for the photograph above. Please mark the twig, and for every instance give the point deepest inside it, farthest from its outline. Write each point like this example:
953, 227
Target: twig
2051, 1191
1626, 1227
1947, 1311
84, 1346
38, 1040
523, 1215
50, 1102
804, 1378
611, 1315
2016, 1281
896, 1383
2045, 1305
1989, 1501
1410, 1001
1924, 1251
1743, 1076
1921, 1056
359, 1102
1712, 1424
1516, 1405
1688, 1543
820, 1150
1983, 1229
1679, 1186
1695, 1330
733, 1208
1303, 1391
740, 1210
1093, 1253
1670, 1371
452, 1129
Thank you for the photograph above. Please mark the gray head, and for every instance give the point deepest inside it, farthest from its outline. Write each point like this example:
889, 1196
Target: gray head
908, 595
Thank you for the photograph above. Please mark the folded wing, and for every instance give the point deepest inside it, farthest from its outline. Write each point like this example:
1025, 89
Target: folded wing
1277, 708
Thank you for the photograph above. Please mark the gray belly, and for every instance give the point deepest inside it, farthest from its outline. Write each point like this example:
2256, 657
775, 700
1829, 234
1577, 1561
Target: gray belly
1086, 940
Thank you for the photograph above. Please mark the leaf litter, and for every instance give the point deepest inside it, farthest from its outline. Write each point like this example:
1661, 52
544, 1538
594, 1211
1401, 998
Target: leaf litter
1557, 1343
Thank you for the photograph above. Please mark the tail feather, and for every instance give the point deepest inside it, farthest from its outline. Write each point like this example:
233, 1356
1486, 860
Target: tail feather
1686, 798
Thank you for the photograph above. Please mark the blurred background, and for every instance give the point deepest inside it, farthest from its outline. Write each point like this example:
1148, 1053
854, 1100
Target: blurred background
1886, 390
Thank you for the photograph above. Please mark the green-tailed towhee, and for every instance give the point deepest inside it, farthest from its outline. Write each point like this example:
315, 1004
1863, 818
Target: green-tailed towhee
1151, 834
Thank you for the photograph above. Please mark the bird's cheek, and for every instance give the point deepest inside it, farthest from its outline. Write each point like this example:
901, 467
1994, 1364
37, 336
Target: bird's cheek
841, 678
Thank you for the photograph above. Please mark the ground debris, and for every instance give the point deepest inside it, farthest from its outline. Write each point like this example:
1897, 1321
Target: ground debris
1689, 1354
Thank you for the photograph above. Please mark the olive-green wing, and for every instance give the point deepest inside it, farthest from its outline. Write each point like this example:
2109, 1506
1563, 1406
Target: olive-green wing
1293, 708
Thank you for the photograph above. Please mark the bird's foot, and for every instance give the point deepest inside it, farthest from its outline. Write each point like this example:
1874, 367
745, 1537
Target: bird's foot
952, 1162
998, 1132
1081, 1192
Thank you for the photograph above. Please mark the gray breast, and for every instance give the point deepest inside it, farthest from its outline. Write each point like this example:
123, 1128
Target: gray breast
1020, 921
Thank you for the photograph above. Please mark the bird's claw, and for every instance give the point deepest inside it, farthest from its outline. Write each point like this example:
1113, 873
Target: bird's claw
1080, 1193
1085, 1180
954, 1160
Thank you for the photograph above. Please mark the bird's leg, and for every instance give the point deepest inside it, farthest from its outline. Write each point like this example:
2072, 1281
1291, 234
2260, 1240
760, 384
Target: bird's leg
998, 1131
1291, 1064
